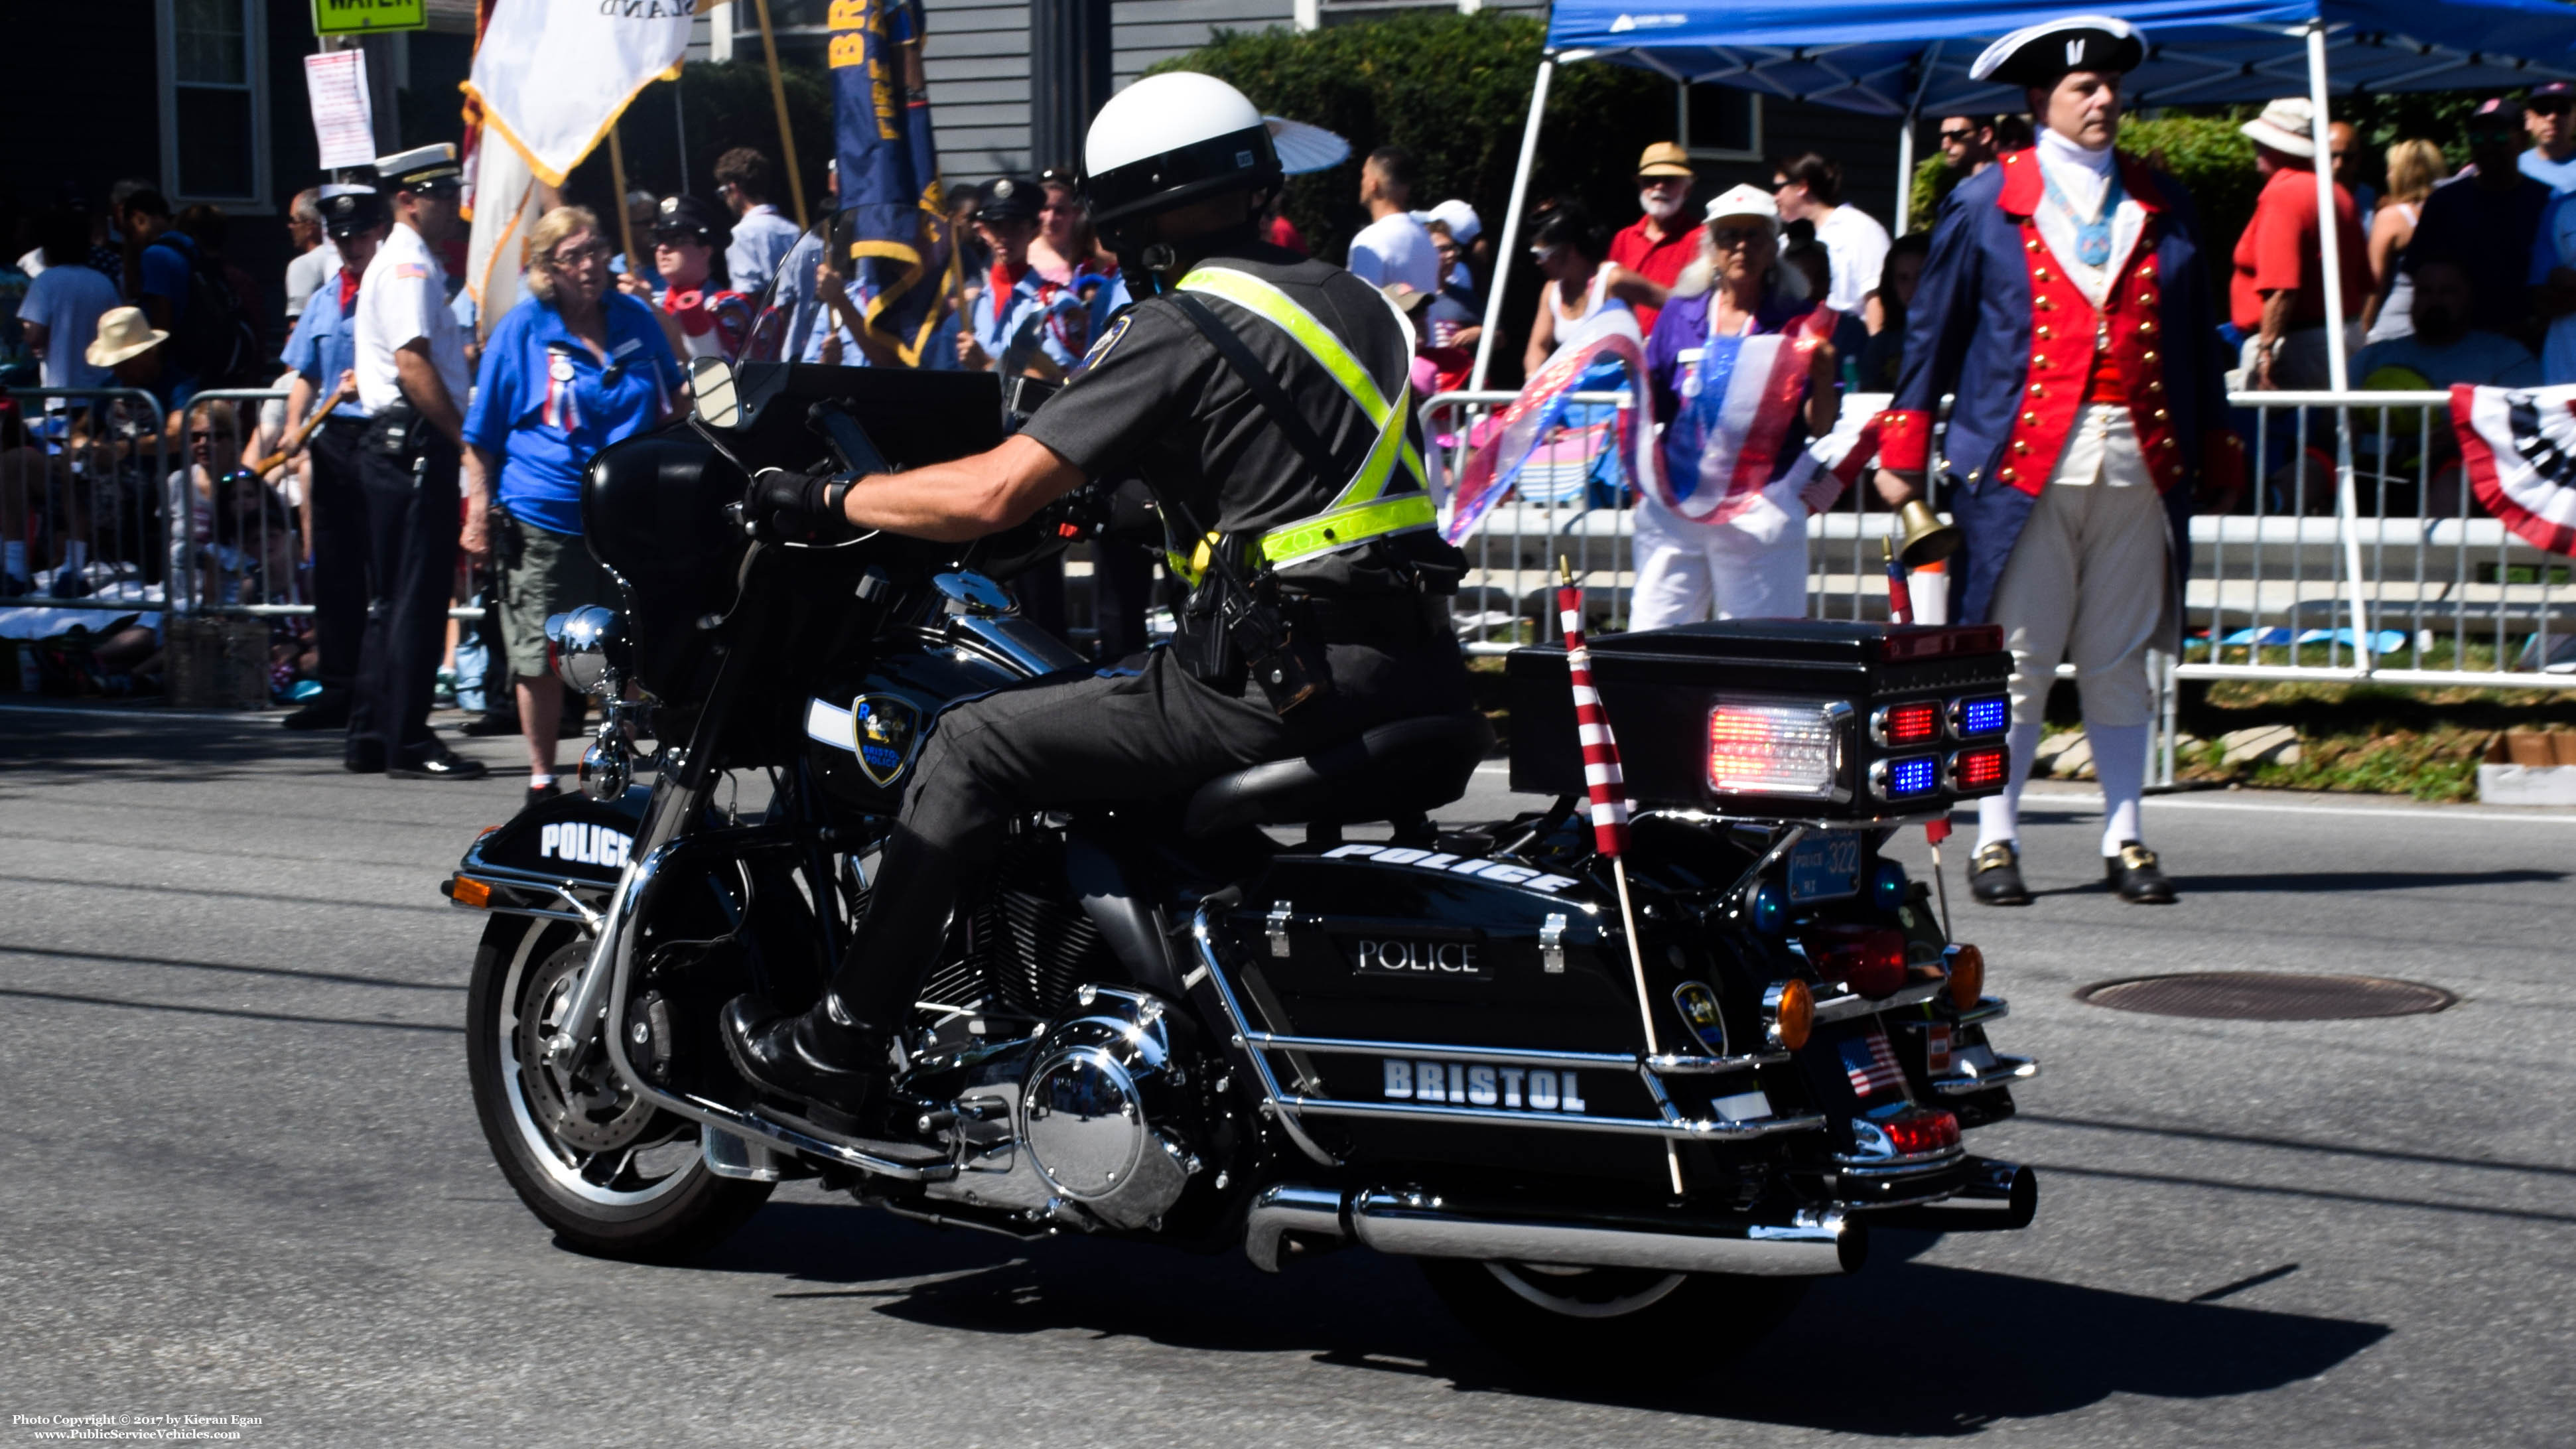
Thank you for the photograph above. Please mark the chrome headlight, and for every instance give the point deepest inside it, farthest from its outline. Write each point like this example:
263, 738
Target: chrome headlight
589, 647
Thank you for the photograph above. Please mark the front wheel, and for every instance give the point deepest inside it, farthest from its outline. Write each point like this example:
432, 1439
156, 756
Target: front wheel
608, 1171
1561, 1319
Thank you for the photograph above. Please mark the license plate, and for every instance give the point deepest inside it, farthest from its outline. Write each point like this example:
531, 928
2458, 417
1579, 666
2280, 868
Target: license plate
1825, 867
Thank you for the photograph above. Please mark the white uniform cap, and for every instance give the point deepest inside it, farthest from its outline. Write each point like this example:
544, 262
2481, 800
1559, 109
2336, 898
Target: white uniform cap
1745, 201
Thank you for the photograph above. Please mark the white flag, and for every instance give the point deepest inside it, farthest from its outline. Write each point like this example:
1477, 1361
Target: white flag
553, 75
505, 206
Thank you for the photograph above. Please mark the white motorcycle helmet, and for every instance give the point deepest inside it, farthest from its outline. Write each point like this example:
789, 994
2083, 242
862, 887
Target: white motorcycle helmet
1170, 139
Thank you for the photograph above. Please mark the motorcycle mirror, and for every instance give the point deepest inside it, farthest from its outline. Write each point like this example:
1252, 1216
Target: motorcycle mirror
711, 386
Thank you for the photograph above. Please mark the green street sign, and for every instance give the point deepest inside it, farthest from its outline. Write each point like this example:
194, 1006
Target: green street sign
359, 17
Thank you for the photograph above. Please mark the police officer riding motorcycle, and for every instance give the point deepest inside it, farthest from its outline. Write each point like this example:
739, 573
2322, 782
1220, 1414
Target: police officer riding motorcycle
1258, 393
923, 904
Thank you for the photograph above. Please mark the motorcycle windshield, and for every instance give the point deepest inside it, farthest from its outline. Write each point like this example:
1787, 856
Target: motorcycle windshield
784, 310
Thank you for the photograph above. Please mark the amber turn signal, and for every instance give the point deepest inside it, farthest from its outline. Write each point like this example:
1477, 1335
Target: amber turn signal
1967, 976
469, 893
1788, 1014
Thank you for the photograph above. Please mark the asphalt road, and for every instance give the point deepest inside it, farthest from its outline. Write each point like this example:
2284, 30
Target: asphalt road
239, 1175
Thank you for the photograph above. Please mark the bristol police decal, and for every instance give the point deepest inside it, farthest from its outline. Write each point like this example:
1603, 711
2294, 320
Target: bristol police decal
1698, 1006
1501, 871
585, 844
1518, 1089
887, 727
881, 729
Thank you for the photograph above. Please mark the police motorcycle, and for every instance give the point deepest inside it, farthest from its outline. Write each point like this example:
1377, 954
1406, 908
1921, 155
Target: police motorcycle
1280, 1013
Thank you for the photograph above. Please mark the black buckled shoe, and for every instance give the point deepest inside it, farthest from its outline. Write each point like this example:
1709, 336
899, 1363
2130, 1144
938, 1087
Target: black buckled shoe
437, 762
1994, 875
2136, 877
489, 724
822, 1057
363, 757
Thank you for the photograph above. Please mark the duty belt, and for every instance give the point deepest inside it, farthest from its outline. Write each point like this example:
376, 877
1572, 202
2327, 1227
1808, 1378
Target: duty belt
1364, 511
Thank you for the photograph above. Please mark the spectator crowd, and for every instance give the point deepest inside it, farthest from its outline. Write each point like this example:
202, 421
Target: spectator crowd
2447, 277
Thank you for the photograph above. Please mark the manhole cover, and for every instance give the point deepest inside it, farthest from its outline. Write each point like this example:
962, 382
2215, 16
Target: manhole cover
2264, 996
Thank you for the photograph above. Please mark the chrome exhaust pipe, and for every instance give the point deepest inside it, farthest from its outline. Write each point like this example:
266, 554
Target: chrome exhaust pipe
1997, 1197
1419, 1224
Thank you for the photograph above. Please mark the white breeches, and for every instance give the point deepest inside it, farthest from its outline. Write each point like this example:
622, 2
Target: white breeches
2087, 580
1753, 566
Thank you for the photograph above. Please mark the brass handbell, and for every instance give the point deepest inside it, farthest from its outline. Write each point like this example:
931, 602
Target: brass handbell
1927, 539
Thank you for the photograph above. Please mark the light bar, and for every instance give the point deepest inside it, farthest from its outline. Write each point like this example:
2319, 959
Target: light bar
1985, 714
1774, 749
1910, 778
1900, 725
1979, 769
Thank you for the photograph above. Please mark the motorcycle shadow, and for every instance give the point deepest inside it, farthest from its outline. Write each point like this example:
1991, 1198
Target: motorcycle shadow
1983, 1346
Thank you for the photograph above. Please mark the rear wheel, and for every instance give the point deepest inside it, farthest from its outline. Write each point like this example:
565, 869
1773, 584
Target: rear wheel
1557, 1318
609, 1172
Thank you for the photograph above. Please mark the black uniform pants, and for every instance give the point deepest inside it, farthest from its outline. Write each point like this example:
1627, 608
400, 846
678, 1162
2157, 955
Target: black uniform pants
411, 568
340, 554
1122, 590
1071, 740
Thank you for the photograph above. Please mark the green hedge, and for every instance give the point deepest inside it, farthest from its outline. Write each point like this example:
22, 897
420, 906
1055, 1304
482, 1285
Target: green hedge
2207, 154
1453, 89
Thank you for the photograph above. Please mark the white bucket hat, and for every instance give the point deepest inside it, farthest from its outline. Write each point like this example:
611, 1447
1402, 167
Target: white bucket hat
1745, 201
2284, 126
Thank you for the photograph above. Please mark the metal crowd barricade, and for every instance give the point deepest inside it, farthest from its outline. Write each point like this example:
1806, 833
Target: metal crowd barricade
2402, 581
124, 513
86, 492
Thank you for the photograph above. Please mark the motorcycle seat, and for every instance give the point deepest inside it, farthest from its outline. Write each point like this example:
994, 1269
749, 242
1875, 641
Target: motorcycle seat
1393, 772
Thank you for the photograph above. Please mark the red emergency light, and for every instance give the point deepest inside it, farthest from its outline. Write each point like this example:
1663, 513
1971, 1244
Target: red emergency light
1899, 725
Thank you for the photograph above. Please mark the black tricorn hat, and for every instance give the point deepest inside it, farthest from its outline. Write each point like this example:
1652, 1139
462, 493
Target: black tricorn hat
2036, 55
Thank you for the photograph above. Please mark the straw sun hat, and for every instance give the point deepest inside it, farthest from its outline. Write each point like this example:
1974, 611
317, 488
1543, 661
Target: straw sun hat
123, 333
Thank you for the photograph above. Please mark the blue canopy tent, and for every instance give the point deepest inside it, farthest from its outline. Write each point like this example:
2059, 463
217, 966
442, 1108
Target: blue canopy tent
1903, 58
1909, 58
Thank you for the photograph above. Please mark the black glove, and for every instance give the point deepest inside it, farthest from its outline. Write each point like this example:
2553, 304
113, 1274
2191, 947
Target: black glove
790, 507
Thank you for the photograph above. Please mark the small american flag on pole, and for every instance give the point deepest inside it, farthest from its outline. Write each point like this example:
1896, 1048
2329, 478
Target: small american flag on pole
1609, 789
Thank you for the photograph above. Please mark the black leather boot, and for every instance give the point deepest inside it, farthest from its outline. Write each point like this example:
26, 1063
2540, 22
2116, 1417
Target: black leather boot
1994, 875
823, 1056
2137, 877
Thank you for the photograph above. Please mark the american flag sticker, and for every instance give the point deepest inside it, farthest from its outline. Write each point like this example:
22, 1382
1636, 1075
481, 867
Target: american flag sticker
1871, 1064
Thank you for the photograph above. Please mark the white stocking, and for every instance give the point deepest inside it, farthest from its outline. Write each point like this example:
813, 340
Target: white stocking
2120, 763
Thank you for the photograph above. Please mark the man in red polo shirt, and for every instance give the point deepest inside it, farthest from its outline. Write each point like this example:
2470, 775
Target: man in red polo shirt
2277, 293
1648, 256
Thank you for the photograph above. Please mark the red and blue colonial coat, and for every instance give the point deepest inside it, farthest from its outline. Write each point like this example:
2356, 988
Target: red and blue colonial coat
1997, 322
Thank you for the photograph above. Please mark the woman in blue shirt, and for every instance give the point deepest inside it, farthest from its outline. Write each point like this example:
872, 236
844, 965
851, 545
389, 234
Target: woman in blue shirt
568, 371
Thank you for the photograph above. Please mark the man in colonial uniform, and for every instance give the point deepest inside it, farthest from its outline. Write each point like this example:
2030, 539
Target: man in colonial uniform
2066, 307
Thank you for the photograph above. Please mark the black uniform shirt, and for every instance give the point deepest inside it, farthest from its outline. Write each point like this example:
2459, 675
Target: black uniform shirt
1156, 400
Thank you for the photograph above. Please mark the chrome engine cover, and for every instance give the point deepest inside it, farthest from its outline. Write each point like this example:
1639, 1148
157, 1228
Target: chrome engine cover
1089, 1110
1084, 1126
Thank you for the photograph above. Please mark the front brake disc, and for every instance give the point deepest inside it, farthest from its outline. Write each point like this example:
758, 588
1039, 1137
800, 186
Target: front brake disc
588, 1112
